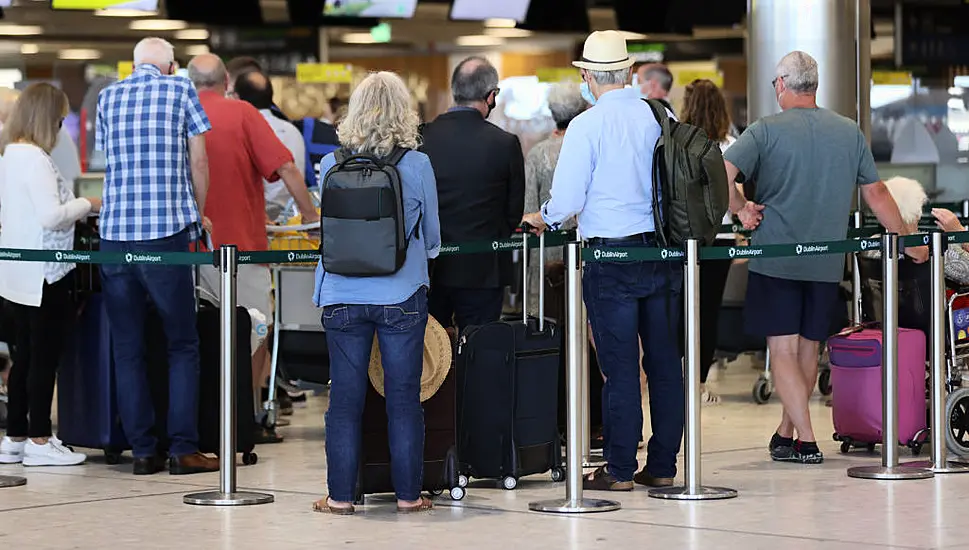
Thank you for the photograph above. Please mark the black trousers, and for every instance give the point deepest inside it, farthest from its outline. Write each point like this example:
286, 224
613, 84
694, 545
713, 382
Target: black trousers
713, 280
465, 307
39, 339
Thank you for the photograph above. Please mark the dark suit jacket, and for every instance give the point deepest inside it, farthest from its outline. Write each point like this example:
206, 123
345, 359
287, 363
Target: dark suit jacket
480, 172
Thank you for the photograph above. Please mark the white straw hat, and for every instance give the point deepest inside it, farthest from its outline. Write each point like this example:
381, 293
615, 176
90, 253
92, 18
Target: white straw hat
605, 51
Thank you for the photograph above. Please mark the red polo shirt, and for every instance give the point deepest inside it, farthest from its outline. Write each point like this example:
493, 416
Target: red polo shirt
243, 151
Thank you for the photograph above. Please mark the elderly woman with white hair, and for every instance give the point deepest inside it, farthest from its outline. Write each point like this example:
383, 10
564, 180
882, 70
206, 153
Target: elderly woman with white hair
379, 122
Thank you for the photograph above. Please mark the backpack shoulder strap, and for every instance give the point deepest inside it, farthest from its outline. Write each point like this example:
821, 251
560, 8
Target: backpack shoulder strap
659, 112
395, 156
340, 155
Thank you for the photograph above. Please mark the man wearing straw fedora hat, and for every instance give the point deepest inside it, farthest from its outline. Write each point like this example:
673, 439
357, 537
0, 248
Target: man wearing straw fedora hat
604, 176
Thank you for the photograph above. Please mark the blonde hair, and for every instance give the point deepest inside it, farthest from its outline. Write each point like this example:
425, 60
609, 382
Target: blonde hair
36, 117
8, 98
380, 117
909, 196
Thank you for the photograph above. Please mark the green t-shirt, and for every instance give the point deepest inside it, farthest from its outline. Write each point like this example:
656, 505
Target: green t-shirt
806, 164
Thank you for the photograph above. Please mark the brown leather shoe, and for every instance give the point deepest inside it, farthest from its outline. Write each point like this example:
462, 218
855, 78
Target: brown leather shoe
644, 478
602, 480
195, 463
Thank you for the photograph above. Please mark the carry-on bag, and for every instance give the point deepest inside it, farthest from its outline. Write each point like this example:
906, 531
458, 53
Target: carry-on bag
856, 377
508, 388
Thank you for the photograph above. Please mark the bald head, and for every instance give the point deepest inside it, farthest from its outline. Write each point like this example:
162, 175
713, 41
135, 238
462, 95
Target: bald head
256, 89
157, 52
473, 81
207, 72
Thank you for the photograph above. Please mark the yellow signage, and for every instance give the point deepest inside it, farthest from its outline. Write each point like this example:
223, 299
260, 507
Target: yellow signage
324, 73
891, 78
684, 78
553, 74
125, 68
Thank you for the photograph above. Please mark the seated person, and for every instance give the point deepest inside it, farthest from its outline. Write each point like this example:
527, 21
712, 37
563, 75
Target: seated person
957, 255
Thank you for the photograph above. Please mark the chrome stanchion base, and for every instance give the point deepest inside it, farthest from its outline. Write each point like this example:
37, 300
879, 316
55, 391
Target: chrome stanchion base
12, 481
683, 493
889, 473
567, 506
239, 498
952, 467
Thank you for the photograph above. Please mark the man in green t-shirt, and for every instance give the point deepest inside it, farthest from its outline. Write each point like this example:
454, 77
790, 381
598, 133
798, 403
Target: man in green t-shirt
807, 162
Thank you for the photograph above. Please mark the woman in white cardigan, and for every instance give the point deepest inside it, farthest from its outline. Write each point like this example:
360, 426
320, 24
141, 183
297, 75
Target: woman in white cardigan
37, 211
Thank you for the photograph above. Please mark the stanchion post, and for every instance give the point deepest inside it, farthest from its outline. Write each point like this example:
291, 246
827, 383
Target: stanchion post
227, 495
857, 317
940, 463
573, 503
889, 469
965, 208
692, 488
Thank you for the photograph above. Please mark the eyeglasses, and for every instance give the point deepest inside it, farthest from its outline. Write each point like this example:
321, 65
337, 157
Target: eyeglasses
60, 123
773, 83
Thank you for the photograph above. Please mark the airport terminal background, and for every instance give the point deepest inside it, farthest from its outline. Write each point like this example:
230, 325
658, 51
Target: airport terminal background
916, 111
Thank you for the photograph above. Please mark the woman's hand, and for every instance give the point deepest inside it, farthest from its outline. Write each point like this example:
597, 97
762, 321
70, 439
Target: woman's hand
947, 221
95, 204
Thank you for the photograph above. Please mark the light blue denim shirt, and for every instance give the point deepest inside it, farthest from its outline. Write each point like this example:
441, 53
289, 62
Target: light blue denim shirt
605, 170
420, 202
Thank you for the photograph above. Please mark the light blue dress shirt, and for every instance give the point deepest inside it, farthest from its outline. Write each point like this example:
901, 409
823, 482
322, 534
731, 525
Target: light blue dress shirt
605, 170
420, 203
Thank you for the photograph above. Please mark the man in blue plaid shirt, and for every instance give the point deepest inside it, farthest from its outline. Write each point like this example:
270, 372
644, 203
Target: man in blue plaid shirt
150, 126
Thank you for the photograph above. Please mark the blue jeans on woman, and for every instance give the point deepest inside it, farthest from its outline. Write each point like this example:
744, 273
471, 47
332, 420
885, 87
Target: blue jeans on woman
349, 335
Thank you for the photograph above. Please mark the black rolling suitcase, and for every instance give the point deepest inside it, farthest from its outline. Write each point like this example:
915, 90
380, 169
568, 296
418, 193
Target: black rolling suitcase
440, 452
508, 388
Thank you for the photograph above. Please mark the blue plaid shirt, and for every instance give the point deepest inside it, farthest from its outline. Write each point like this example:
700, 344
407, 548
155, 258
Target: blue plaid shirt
143, 126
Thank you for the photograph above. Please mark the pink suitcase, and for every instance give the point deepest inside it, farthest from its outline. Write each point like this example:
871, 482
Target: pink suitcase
856, 376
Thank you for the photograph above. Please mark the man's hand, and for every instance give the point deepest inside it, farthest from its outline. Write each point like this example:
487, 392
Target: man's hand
919, 254
947, 221
536, 221
315, 218
750, 215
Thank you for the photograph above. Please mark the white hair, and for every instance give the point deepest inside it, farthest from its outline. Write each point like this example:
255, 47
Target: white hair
380, 117
799, 72
909, 196
611, 78
566, 102
154, 51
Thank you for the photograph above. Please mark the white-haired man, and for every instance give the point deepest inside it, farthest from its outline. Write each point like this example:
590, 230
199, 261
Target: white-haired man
150, 126
807, 162
605, 175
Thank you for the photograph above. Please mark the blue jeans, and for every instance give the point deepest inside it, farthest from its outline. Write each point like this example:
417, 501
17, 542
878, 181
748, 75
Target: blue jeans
349, 335
127, 290
628, 303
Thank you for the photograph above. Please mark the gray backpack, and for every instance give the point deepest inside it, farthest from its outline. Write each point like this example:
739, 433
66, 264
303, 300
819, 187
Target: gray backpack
362, 222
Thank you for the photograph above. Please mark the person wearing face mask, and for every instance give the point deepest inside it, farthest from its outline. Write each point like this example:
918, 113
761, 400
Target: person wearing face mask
480, 171
655, 82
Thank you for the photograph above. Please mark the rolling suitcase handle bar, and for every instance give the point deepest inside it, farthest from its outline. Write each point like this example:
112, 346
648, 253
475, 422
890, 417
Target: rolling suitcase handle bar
526, 229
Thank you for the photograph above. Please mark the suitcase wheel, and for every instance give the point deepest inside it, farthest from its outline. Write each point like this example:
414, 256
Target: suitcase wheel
509, 483
845, 446
762, 391
462, 481
112, 458
436, 492
457, 493
558, 475
250, 459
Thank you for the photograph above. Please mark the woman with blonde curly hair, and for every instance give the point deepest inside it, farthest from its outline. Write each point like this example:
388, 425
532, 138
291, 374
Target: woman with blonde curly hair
380, 120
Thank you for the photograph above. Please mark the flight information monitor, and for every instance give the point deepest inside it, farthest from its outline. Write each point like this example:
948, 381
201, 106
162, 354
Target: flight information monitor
479, 10
403, 9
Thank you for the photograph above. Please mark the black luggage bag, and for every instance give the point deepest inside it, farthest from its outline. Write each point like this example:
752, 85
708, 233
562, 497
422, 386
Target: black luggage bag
508, 388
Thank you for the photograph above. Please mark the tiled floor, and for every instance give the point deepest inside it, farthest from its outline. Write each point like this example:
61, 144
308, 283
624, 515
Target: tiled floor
780, 506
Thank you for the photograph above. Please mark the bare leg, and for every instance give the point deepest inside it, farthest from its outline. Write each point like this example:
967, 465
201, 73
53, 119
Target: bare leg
790, 384
261, 364
807, 358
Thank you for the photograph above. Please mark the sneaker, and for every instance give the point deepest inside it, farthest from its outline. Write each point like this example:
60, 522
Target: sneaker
782, 449
807, 452
52, 453
11, 452
602, 480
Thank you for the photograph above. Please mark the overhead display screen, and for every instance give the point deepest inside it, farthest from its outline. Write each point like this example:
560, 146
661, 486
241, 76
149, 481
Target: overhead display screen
479, 10
144, 5
370, 8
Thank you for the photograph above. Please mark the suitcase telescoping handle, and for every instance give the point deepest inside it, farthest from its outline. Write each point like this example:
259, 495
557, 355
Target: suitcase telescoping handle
526, 229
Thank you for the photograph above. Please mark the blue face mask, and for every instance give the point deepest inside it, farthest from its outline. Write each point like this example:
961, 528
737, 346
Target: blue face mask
587, 93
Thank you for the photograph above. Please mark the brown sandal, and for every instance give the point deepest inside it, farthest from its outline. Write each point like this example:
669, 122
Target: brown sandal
425, 505
323, 506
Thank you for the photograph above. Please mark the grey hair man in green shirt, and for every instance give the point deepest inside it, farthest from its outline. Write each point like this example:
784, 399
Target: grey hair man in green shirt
807, 162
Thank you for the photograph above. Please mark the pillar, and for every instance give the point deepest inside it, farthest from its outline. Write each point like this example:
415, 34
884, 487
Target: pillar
825, 29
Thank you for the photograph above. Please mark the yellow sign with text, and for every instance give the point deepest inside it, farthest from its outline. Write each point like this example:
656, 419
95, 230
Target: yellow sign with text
324, 73
684, 78
891, 78
125, 68
558, 74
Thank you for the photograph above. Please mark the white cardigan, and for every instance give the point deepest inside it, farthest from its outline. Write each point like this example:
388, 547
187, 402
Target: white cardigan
37, 211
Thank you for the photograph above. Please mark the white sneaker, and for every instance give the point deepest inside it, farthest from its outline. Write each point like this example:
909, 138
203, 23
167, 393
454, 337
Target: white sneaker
11, 452
53, 453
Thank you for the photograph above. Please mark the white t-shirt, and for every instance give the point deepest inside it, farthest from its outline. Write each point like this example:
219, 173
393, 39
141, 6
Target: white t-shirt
277, 196
728, 217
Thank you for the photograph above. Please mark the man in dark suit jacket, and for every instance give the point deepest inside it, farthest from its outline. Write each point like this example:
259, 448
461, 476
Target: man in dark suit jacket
480, 174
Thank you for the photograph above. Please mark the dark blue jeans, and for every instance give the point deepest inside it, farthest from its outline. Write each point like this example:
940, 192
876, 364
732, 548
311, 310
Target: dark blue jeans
629, 302
127, 290
349, 335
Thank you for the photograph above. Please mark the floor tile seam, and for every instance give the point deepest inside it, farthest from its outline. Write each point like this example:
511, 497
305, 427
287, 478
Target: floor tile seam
90, 501
133, 478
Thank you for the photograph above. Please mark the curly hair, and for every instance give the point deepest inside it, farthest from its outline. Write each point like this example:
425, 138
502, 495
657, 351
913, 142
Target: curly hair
705, 107
380, 117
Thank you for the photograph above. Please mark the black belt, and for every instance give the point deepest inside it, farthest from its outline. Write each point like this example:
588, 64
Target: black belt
604, 241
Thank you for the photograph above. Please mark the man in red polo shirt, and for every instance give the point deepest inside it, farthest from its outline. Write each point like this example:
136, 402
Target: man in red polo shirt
243, 152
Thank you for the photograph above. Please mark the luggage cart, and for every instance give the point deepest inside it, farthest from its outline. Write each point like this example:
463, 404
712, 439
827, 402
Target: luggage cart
957, 354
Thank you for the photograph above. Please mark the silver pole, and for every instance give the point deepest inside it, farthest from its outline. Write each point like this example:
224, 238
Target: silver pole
857, 315
863, 61
270, 405
692, 475
940, 463
573, 503
541, 281
227, 494
889, 470
525, 276
588, 461
965, 209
